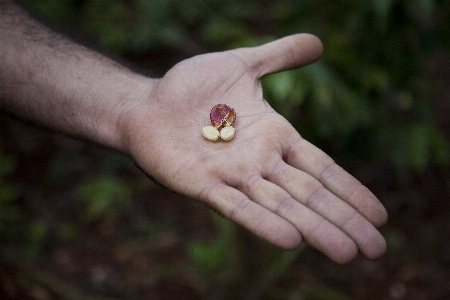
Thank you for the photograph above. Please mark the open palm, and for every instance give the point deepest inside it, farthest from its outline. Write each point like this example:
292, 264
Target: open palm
268, 178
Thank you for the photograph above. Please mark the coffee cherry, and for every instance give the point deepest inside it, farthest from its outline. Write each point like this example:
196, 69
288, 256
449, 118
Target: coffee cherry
222, 115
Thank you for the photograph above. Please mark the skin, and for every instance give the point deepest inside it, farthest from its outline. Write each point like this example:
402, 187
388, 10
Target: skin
268, 178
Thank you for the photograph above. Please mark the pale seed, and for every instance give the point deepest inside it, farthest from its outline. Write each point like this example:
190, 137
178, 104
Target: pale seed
210, 133
227, 133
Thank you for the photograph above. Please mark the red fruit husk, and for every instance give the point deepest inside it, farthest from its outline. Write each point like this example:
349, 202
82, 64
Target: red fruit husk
222, 115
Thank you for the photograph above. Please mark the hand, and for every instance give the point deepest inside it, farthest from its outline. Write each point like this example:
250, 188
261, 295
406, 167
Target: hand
268, 178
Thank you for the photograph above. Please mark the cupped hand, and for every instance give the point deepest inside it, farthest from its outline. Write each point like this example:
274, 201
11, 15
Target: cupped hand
268, 178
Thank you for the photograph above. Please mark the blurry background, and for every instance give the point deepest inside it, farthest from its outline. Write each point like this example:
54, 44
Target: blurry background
78, 221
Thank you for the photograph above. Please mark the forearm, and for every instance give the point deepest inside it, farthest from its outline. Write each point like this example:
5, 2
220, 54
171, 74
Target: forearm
49, 79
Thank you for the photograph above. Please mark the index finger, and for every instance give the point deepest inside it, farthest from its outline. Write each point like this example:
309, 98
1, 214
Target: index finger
305, 156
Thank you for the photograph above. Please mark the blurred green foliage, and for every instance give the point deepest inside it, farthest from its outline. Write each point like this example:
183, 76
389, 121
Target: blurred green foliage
107, 197
237, 265
367, 101
15, 229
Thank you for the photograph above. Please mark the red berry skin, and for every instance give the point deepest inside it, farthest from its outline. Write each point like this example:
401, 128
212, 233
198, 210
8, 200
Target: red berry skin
222, 115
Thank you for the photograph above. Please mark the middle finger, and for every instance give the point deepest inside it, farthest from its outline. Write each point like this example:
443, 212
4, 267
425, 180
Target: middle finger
316, 230
311, 193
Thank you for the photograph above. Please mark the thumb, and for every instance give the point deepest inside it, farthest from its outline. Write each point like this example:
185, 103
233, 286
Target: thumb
287, 53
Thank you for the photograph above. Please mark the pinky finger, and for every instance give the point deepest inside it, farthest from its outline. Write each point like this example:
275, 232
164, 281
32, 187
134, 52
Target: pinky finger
237, 207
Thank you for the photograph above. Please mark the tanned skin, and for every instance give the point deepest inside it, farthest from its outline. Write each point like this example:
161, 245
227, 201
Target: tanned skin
268, 178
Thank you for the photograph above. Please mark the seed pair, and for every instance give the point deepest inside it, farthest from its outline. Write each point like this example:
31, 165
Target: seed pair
211, 133
222, 117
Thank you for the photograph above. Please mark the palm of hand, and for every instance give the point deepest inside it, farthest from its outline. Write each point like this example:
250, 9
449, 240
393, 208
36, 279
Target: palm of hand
185, 97
259, 179
227, 82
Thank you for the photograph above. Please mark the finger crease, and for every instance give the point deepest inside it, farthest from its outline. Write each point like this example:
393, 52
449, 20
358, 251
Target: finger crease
355, 190
348, 220
240, 206
309, 234
327, 172
280, 171
284, 206
316, 198
206, 193
251, 182
261, 221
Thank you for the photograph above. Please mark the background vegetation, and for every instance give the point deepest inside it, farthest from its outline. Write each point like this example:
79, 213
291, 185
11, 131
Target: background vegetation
77, 221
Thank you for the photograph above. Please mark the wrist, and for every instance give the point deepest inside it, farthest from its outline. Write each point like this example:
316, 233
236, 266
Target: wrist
136, 96
70, 88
